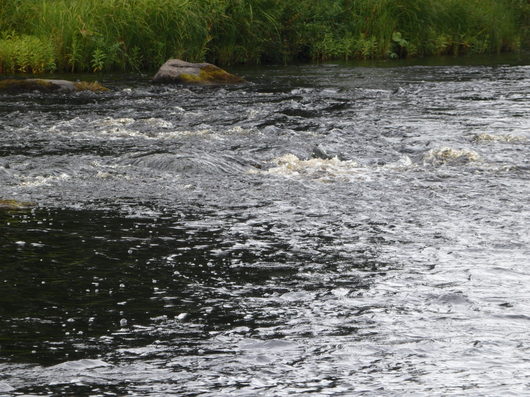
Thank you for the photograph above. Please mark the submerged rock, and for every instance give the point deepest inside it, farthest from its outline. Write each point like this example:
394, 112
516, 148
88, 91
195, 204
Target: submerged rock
14, 205
178, 71
499, 138
449, 156
49, 85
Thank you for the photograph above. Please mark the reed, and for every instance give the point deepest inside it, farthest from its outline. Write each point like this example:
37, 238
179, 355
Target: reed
131, 35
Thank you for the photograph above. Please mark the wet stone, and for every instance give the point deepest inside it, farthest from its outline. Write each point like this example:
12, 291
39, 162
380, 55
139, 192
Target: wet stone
48, 85
178, 71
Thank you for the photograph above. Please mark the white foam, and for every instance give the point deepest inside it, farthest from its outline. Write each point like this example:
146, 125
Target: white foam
290, 165
44, 180
328, 170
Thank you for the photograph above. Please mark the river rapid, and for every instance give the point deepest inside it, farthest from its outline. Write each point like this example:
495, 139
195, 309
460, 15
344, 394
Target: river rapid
323, 230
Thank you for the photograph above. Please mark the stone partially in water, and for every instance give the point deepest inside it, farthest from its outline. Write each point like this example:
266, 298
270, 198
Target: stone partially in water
498, 138
14, 205
47, 85
179, 71
449, 156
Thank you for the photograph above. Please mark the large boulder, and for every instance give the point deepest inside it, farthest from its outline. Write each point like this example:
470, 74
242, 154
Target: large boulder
178, 71
47, 85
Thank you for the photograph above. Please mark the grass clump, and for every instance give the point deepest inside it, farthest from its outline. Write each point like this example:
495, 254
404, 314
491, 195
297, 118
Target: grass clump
39, 36
210, 75
93, 86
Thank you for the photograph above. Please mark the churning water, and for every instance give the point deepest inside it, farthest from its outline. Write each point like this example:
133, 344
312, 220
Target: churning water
323, 230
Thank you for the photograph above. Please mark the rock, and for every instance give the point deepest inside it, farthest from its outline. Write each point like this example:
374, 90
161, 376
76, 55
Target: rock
14, 205
320, 153
47, 85
178, 71
323, 154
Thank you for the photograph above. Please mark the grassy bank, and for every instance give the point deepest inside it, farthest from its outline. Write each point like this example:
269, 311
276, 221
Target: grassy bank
131, 35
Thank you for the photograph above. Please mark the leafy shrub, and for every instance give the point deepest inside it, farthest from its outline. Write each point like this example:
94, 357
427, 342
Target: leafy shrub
26, 54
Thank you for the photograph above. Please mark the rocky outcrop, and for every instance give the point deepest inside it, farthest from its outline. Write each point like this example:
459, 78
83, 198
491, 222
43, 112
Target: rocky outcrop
47, 85
178, 71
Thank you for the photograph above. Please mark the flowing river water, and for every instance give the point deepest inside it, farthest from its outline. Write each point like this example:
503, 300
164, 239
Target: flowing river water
323, 230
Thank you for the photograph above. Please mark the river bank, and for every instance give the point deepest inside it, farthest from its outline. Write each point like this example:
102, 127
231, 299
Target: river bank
95, 35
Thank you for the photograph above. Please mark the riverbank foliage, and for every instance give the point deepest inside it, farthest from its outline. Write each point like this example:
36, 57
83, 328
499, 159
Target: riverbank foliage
39, 36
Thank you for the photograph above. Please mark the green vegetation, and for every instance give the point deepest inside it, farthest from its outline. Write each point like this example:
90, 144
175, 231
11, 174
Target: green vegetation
93, 86
39, 36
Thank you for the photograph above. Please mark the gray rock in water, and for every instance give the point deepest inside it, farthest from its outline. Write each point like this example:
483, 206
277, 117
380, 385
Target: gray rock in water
179, 71
321, 153
48, 85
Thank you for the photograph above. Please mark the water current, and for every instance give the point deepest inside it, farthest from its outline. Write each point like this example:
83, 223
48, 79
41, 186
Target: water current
323, 230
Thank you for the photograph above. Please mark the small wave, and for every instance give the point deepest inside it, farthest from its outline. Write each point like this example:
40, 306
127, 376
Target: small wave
5, 388
150, 128
81, 365
449, 156
114, 122
482, 138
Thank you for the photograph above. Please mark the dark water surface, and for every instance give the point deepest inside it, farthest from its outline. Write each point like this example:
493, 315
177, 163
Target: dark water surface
325, 230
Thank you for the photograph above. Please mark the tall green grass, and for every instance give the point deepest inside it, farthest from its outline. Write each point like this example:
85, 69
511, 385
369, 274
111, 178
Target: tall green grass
102, 35
131, 35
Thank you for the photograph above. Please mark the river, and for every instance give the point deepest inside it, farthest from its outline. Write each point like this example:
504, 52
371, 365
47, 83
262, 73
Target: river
323, 230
